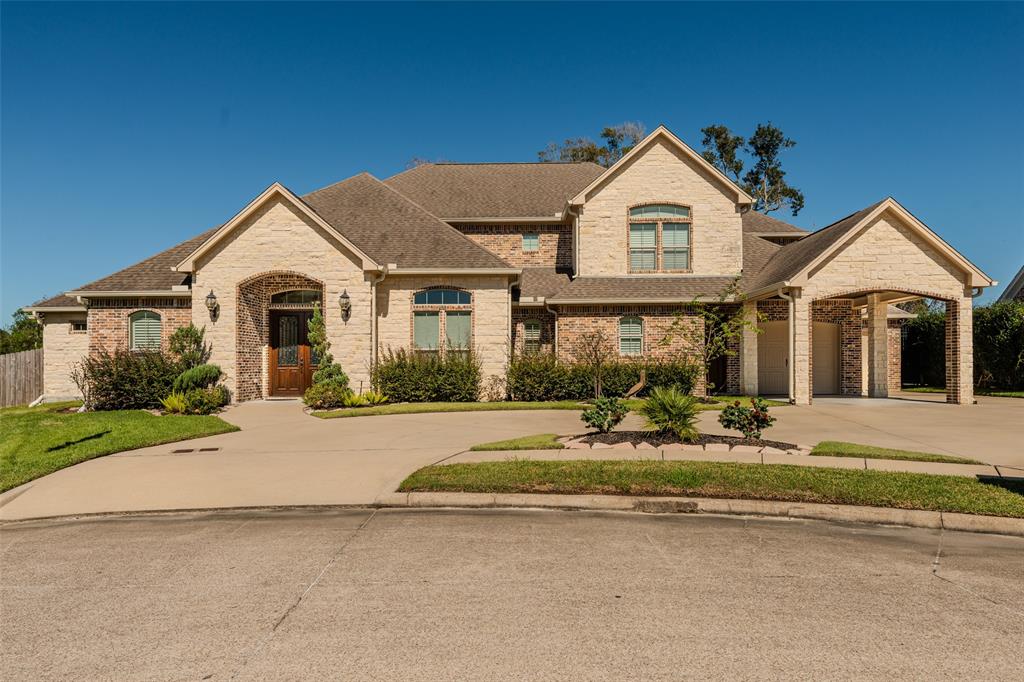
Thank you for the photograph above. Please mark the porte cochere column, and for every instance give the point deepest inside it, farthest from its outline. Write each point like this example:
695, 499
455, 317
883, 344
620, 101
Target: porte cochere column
960, 350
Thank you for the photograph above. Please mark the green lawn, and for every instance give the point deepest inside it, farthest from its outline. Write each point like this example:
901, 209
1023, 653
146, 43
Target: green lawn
836, 448
540, 441
416, 408
977, 391
39, 440
717, 479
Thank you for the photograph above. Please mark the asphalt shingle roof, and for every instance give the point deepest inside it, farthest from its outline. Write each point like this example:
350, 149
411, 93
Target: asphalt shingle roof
641, 289
759, 222
541, 282
495, 190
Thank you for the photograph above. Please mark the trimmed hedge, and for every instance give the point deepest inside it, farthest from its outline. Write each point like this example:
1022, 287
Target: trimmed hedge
407, 377
541, 377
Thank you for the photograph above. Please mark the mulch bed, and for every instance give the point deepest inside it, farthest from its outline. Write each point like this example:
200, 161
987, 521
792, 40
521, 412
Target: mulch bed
635, 437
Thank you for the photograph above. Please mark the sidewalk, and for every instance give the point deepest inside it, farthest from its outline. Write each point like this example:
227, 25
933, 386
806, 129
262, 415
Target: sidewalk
741, 455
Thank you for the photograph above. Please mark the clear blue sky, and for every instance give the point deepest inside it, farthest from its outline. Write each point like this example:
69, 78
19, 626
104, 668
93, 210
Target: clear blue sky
128, 128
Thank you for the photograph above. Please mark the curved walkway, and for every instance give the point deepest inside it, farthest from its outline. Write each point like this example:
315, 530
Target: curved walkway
282, 457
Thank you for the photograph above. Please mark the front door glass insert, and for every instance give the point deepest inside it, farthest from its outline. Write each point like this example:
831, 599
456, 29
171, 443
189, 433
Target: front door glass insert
288, 340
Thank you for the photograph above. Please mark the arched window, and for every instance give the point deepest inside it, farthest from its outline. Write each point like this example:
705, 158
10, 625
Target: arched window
659, 238
297, 297
531, 336
449, 310
631, 336
144, 330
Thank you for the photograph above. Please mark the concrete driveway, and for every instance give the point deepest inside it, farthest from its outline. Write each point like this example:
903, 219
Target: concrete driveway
499, 595
284, 457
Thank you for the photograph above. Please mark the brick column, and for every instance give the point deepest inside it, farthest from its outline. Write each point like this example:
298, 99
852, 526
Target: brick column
801, 389
748, 351
878, 347
960, 351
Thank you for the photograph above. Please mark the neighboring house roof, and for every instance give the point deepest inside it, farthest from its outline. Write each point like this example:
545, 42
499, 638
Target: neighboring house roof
395, 230
465, 191
641, 289
759, 223
1013, 290
541, 283
666, 135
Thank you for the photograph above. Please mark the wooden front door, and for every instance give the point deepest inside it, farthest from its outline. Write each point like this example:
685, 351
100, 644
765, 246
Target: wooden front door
291, 359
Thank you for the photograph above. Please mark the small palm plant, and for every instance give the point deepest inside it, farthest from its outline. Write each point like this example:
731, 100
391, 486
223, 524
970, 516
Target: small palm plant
670, 410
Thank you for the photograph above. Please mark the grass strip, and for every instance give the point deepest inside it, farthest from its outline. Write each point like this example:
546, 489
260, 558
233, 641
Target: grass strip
724, 480
540, 441
838, 448
40, 440
977, 391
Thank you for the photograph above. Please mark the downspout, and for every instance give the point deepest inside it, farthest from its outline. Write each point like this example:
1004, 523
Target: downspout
554, 314
575, 240
373, 316
791, 344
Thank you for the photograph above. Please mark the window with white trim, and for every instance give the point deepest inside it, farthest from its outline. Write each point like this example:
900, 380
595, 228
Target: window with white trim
531, 241
631, 336
531, 336
144, 330
659, 238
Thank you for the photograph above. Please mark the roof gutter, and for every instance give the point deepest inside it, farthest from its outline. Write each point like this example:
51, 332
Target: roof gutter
373, 316
556, 218
163, 293
640, 301
37, 310
394, 270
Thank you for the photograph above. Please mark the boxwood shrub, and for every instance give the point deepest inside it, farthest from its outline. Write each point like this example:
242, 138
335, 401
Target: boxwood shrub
408, 377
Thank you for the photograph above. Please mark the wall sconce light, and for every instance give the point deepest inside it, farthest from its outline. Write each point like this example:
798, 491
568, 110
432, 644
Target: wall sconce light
211, 304
346, 305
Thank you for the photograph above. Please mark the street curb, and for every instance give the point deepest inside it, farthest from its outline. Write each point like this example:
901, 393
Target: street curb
704, 505
836, 513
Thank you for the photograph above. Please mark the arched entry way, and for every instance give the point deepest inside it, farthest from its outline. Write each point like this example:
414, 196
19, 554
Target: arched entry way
271, 344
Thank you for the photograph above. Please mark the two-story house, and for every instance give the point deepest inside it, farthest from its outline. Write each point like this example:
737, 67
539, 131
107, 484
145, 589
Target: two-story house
530, 256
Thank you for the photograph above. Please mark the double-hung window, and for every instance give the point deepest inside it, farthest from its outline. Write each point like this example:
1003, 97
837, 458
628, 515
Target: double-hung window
659, 238
442, 315
631, 336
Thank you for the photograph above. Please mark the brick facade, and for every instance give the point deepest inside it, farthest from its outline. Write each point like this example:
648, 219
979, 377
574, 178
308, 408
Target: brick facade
895, 329
547, 327
507, 242
108, 319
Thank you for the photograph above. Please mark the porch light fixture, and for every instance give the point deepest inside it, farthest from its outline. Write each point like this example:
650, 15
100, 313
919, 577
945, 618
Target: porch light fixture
346, 305
211, 304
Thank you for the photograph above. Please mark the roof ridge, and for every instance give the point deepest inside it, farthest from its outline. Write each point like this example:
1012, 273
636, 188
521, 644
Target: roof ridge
339, 182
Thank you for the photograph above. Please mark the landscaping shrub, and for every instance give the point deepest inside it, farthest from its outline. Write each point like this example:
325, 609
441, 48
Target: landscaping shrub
605, 415
188, 346
924, 349
129, 380
332, 373
174, 403
354, 400
374, 398
670, 410
407, 377
999, 345
749, 421
326, 395
200, 376
540, 377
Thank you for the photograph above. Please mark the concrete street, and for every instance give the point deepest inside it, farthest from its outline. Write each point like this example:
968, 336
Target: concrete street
440, 595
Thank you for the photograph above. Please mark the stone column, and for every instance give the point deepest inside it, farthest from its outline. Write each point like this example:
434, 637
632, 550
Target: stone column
960, 350
878, 347
801, 372
748, 351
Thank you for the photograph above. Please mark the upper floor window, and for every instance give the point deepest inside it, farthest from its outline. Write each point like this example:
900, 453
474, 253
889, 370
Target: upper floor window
144, 330
659, 238
631, 336
442, 319
531, 336
531, 241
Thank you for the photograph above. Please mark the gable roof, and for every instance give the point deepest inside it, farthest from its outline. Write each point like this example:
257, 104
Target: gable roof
663, 133
396, 230
759, 223
796, 259
1015, 286
275, 190
464, 191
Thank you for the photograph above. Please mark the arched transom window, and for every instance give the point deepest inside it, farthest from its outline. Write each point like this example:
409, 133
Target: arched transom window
295, 298
442, 314
144, 330
659, 238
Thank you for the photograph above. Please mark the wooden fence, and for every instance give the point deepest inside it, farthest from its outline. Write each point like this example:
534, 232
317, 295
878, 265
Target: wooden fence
21, 377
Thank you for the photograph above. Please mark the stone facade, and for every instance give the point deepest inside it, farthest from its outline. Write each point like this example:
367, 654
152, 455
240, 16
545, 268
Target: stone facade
506, 241
491, 313
278, 240
108, 319
660, 175
64, 348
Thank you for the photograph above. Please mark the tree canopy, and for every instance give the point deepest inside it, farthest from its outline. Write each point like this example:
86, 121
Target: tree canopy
24, 333
618, 140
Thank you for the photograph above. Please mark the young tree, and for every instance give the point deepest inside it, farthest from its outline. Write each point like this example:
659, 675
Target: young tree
709, 330
618, 141
595, 351
765, 181
327, 370
25, 333
189, 345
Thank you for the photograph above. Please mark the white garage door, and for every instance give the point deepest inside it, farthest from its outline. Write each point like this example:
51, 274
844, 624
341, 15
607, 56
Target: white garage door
772, 361
826, 358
